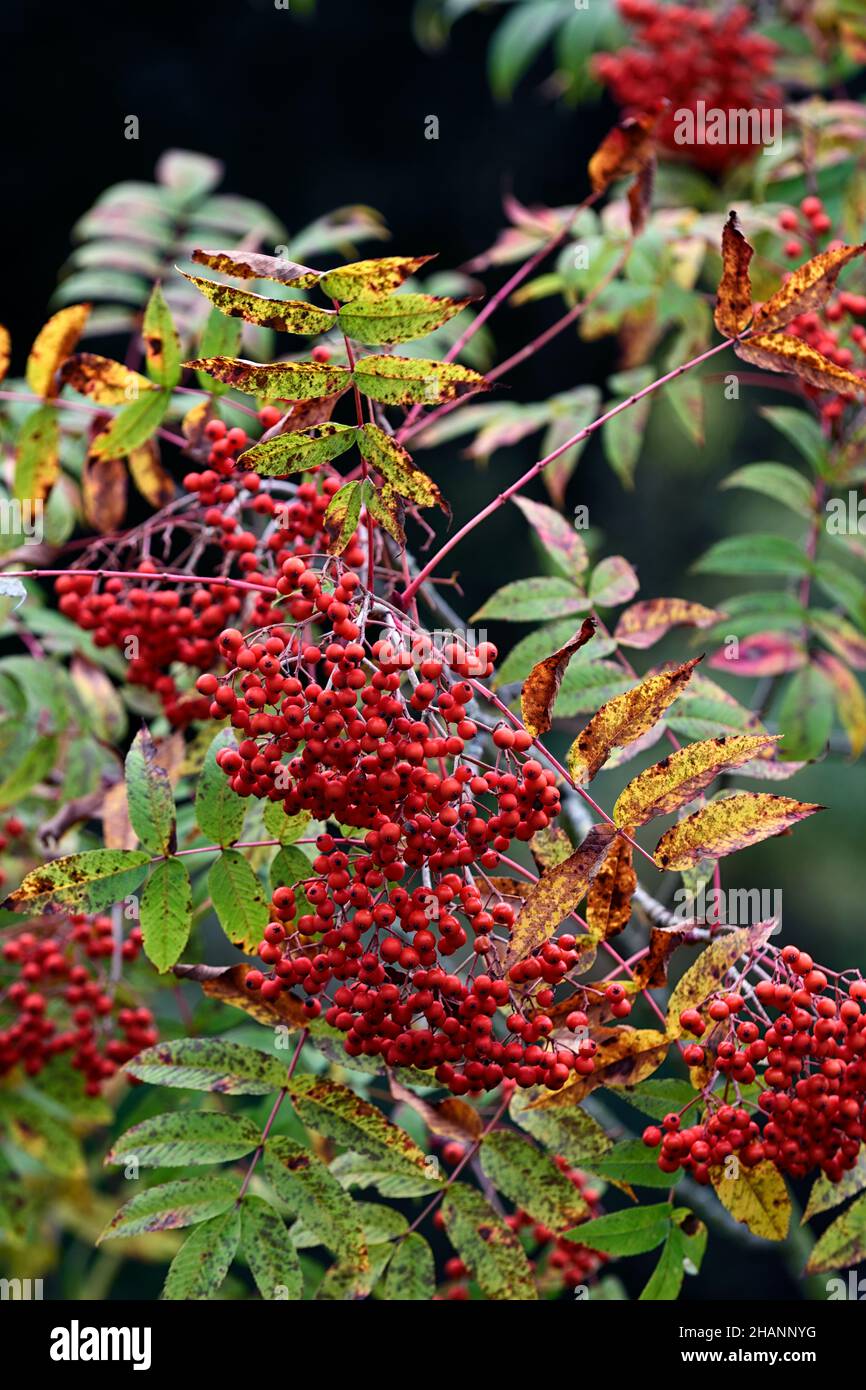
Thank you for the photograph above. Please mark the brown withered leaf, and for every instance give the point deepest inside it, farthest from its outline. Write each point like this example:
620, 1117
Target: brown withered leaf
646, 622
117, 832
550, 847
447, 1119
629, 148
253, 265
103, 491
557, 893
102, 379
504, 888
782, 352
806, 289
5, 351
154, 482
625, 718
683, 775
728, 825
734, 295
608, 902
302, 415
226, 984
541, 687
625, 1056
652, 971
52, 345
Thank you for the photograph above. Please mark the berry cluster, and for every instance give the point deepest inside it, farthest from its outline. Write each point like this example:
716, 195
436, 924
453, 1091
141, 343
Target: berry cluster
256, 529
687, 55
809, 1063
62, 1002
833, 332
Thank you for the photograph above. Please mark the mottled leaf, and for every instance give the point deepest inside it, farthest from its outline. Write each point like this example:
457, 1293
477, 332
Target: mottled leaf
531, 1180
172, 1204
728, 825
292, 381
297, 451
557, 893
52, 346
683, 775
734, 296
238, 900
541, 687
186, 1137
492, 1253
166, 913
269, 1251
645, 623
149, 795
624, 719
203, 1261
101, 379
284, 315
406, 380
208, 1064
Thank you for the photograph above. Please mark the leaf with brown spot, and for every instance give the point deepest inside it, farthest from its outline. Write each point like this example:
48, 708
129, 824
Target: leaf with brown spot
651, 972
172, 1204
154, 482
495, 889
629, 148
37, 462
645, 623
684, 774
407, 380
782, 352
492, 1253
608, 903
284, 315
550, 847
5, 351
625, 718
391, 460
297, 451
399, 318
805, 289
451, 1118
342, 516
557, 893
335, 1111
756, 1196
52, 346
161, 342
541, 687
728, 825
195, 422
705, 975
291, 381
103, 490
117, 831
734, 296
385, 506
625, 1056
375, 277
253, 265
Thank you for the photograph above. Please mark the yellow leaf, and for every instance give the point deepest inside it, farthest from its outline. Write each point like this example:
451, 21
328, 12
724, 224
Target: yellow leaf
758, 1197
154, 483
679, 778
806, 289
52, 346
5, 351
557, 893
541, 687
734, 297
102, 379
705, 975
624, 719
782, 352
728, 825
390, 459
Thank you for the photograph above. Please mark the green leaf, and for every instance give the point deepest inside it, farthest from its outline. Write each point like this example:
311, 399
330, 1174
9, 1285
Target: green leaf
289, 867
681, 1254
397, 319
612, 582
186, 1137
37, 762
843, 1243
491, 1252
342, 516
378, 276
527, 600
94, 879
775, 480
844, 588
569, 1132
588, 684
802, 430
754, 554
203, 1261
161, 343
295, 453
541, 643
311, 1192
659, 1095
238, 900
827, 1194
133, 425
284, 828
622, 438
29, 1127
518, 40
336, 1112
293, 381
629, 1232
221, 338
166, 913
390, 459
355, 1170
632, 1162
172, 1204
37, 462
269, 1251
149, 795
284, 315
406, 380
411, 1276
531, 1180
218, 809
806, 715
209, 1064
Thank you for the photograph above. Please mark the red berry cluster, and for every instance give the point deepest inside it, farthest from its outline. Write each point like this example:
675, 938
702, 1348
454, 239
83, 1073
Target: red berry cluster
62, 1004
831, 332
688, 55
156, 624
809, 1063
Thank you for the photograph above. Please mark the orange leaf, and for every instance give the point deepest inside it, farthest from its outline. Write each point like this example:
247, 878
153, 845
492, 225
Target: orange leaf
103, 490
52, 346
728, 825
451, 1118
608, 903
625, 718
625, 1056
645, 623
734, 296
154, 483
102, 379
782, 352
5, 351
541, 686
806, 289
627, 149
557, 893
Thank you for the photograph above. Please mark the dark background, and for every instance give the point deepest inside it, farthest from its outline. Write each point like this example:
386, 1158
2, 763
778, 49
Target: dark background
312, 113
